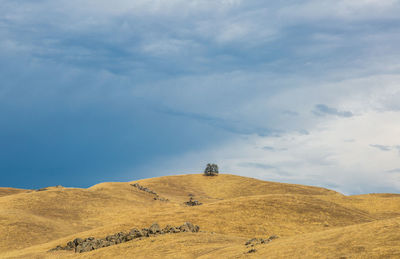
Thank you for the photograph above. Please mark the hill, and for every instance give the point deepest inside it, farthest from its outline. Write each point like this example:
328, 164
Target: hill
311, 222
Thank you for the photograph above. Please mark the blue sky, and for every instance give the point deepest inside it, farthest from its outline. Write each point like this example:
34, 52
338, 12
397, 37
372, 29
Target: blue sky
303, 92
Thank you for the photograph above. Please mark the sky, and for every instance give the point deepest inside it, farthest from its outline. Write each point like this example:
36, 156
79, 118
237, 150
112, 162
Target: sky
304, 92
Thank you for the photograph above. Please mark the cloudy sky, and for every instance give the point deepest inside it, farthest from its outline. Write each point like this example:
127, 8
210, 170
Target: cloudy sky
293, 91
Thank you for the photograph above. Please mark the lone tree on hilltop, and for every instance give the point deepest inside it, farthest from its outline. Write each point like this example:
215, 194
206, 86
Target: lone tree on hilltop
211, 170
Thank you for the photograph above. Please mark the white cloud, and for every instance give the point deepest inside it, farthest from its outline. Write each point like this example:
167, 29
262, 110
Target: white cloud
324, 157
356, 10
336, 152
167, 47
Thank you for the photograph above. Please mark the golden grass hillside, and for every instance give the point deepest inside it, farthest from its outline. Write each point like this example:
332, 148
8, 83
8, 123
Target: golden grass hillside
311, 222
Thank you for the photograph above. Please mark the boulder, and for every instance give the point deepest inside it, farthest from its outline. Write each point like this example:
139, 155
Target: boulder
184, 228
84, 247
154, 229
136, 233
129, 237
77, 241
111, 238
175, 230
145, 232
167, 229
71, 244
189, 227
196, 228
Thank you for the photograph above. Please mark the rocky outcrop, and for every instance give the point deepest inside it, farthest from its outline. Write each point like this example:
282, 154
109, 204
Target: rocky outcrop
88, 244
145, 189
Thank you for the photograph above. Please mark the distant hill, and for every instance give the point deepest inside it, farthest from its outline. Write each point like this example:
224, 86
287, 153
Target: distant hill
310, 222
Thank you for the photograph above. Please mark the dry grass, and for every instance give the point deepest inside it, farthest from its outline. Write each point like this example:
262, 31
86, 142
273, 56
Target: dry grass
9, 191
312, 222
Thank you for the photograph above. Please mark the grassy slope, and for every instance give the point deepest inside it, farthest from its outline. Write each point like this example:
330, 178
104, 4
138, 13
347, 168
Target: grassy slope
4, 191
310, 221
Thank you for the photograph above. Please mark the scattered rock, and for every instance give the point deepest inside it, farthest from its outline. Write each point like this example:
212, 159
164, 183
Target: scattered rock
272, 237
211, 170
160, 198
88, 244
251, 241
192, 202
258, 241
142, 188
252, 251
